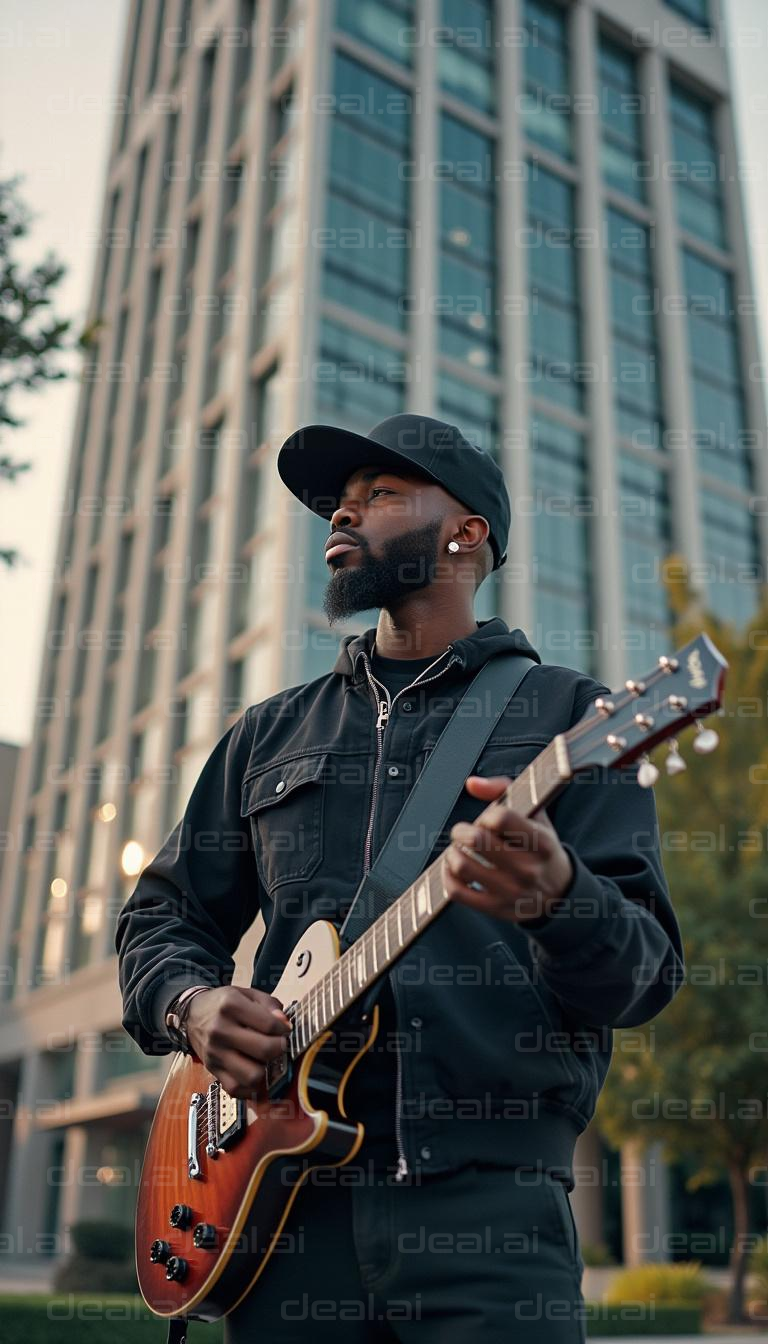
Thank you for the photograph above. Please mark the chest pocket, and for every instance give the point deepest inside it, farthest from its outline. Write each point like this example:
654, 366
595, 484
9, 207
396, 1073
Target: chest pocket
498, 758
509, 758
285, 804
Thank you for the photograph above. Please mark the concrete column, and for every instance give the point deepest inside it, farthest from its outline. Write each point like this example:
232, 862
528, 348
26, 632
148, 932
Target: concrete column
587, 1196
424, 250
73, 1206
752, 366
596, 337
672, 325
516, 596
644, 1204
255, 154
29, 1177
313, 80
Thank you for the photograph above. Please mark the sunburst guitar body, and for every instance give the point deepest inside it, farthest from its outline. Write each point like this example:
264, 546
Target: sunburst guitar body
220, 1174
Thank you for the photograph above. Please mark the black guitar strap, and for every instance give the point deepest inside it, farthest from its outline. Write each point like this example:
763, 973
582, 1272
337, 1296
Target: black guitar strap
433, 796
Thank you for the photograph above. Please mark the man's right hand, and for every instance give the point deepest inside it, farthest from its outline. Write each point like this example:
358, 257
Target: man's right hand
236, 1031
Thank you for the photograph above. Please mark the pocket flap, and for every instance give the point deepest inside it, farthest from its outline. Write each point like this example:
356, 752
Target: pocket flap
275, 782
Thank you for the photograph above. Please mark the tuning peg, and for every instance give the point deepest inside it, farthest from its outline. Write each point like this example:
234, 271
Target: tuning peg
705, 740
647, 774
675, 762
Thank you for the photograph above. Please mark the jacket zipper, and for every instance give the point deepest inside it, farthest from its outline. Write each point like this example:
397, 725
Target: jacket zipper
384, 708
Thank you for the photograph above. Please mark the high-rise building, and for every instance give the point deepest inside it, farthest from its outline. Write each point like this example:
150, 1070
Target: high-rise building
522, 215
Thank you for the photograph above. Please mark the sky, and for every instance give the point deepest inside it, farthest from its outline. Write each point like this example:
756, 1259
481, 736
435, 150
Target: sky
58, 76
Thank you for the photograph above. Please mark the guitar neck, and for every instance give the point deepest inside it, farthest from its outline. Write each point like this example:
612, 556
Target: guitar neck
376, 950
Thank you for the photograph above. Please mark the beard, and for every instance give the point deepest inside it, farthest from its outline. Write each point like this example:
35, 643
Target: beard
407, 563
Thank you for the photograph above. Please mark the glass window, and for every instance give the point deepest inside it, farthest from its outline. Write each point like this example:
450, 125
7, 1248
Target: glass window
109, 243
52, 933
158, 42
252, 598
254, 673
546, 108
247, 37
645, 541
697, 166
139, 188
147, 373
465, 55
695, 10
366, 240
561, 571
467, 282
278, 244
268, 409
225, 297
637, 396
715, 372
622, 142
89, 923
476, 412
732, 557
321, 649
184, 303
318, 573
203, 115
181, 37
385, 25
554, 307
358, 381
119, 1057
129, 93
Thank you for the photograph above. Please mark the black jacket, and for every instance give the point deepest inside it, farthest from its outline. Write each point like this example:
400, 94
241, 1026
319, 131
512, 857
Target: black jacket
505, 1031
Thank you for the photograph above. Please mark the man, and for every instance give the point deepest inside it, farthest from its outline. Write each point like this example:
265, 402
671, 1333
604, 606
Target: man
495, 1027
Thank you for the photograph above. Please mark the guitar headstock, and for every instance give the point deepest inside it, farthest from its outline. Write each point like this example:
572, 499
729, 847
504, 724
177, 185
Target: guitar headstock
678, 691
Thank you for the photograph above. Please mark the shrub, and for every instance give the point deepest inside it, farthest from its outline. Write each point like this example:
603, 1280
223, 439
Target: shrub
83, 1274
615, 1322
102, 1261
89, 1319
758, 1266
595, 1254
682, 1284
100, 1240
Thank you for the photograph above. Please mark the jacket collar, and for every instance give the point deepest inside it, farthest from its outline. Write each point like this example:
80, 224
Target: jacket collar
491, 638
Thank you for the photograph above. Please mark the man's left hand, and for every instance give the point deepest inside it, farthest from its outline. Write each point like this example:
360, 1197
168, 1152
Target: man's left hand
531, 870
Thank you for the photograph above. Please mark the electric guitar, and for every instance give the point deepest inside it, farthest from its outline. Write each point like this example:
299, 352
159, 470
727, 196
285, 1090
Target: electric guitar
220, 1174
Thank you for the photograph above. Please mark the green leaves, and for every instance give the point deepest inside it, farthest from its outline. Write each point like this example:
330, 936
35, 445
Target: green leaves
32, 338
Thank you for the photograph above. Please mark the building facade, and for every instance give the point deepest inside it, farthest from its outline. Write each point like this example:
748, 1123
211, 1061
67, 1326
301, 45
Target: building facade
522, 215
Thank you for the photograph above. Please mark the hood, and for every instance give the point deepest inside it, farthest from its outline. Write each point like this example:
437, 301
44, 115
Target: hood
491, 637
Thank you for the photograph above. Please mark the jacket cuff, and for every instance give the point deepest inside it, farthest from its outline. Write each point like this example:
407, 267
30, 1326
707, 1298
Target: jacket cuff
578, 921
164, 995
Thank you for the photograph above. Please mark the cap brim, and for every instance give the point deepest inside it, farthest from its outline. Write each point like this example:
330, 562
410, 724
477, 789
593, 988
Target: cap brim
316, 461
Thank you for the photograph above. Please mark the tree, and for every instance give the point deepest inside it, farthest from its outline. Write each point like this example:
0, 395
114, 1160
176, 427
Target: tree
698, 1079
31, 337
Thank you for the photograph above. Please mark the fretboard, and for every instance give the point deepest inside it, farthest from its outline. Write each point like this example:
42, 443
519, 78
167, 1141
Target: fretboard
375, 951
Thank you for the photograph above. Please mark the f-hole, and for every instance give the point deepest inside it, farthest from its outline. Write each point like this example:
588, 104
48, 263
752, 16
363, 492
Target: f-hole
302, 962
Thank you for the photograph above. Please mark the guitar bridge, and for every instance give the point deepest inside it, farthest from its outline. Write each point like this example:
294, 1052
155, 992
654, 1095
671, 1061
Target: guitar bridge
226, 1119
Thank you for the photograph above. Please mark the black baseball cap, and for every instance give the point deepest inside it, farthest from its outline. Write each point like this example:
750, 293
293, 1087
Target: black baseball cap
316, 461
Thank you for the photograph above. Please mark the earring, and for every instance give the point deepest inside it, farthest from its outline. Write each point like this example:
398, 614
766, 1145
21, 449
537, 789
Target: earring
453, 546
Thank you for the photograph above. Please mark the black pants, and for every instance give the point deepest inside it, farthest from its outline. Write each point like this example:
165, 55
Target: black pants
485, 1254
